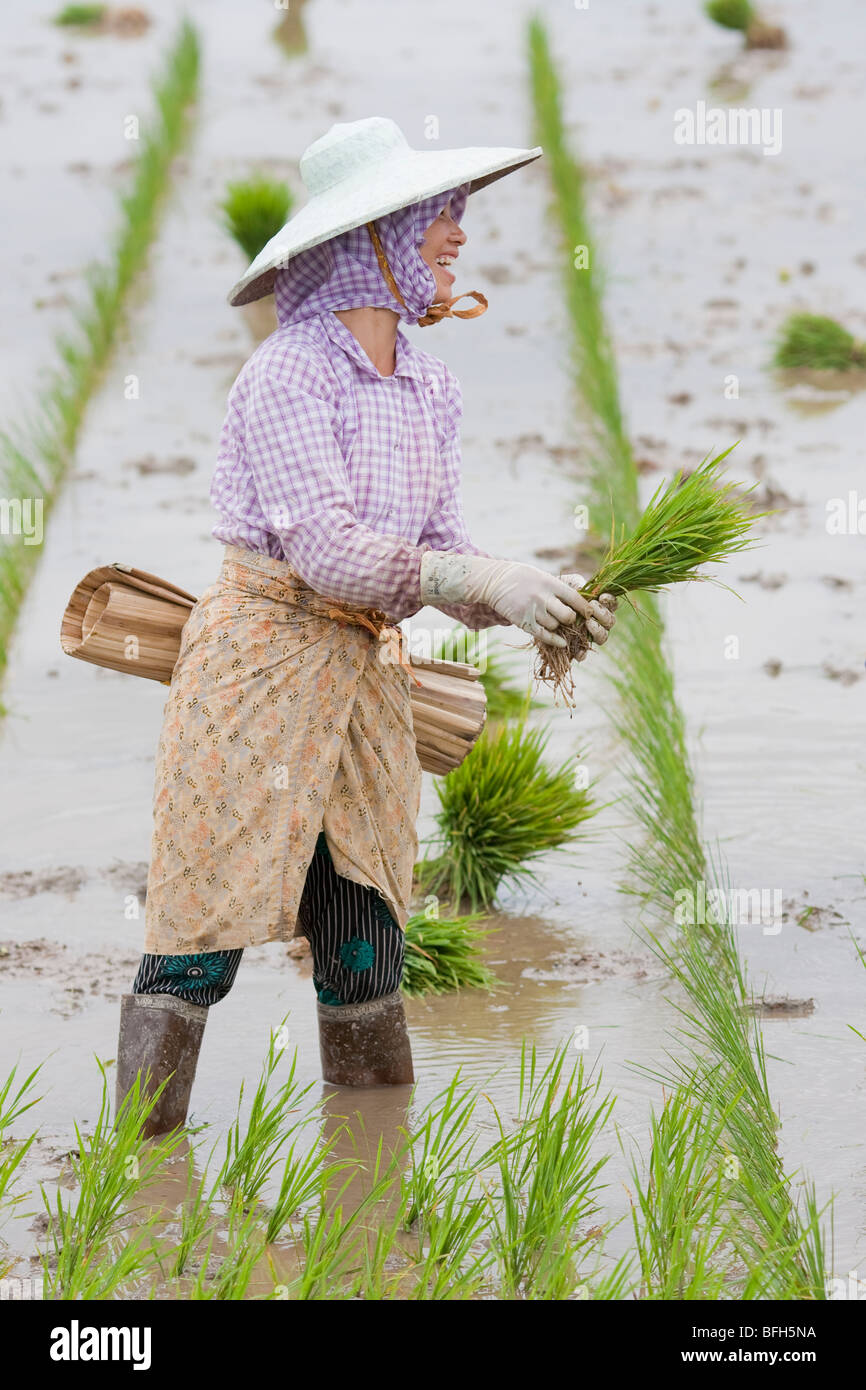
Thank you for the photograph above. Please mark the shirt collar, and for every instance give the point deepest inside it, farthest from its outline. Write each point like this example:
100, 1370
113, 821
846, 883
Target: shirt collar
407, 364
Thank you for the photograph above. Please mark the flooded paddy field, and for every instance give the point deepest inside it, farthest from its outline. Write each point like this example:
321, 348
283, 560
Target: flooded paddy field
706, 249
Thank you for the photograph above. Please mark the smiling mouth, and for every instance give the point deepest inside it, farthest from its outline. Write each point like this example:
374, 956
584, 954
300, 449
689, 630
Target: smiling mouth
445, 263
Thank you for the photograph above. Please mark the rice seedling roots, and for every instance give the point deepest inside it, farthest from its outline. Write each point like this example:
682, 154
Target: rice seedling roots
553, 665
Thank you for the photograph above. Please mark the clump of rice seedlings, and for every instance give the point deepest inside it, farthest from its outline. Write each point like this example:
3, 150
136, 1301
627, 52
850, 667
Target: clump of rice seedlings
444, 954
254, 209
455, 1260
500, 810
99, 1242
441, 1144
548, 1178
504, 699
439, 1201
13, 1104
197, 1216
35, 454
126, 20
690, 522
681, 1225
786, 1245
741, 15
818, 342
253, 1148
244, 1248
661, 789
331, 1242
303, 1177
728, 1072
81, 16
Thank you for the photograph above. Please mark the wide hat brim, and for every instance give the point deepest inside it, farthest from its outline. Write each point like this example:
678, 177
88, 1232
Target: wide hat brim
399, 182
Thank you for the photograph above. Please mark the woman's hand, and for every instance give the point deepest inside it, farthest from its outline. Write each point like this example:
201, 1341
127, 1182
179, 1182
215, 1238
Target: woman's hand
606, 601
530, 598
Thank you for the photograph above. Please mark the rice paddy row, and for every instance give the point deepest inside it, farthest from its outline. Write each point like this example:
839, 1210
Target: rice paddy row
720, 1117
35, 454
285, 1210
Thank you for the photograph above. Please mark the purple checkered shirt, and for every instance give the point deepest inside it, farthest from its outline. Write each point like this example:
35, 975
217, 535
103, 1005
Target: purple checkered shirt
348, 475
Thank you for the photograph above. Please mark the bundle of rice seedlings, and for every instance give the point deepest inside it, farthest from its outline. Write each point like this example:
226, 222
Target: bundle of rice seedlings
690, 522
504, 700
254, 210
812, 340
500, 809
443, 954
741, 14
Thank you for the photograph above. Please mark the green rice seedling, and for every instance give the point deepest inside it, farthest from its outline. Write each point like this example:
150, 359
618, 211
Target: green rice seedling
741, 15
455, 1259
680, 1219
14, 1104
783, 1250
303, 1178
813, 340
35, 454
501, 809
615, 1285
661, 791
254, 209
715, 1026
440, 1145
443, 954
229, 1278
198, 1216
688, 524
731, 14
333, 1244
81, 16
861, 956
253, 1148
385, 1266
548, 1177
381, 1274
504, 700
99, 1240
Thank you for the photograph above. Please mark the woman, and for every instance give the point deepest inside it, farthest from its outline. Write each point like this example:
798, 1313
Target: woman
287, 784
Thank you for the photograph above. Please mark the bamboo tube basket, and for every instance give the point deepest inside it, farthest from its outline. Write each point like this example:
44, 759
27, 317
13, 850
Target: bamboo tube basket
128, 620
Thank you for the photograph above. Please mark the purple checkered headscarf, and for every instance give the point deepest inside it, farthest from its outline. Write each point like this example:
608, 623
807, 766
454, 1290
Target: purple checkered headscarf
343, 273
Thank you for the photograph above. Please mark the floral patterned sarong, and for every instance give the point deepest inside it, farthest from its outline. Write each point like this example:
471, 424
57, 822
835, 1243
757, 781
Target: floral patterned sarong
279, 723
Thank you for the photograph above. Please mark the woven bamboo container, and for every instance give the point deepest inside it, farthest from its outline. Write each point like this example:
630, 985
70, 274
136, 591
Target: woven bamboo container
132, 621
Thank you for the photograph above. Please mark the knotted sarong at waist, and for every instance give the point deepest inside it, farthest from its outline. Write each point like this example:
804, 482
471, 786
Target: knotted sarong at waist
280, 722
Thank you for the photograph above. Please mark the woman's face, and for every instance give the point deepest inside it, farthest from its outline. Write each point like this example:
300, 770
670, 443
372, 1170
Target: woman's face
440, 247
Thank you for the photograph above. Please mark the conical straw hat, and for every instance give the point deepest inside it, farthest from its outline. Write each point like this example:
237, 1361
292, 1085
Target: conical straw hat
362, 170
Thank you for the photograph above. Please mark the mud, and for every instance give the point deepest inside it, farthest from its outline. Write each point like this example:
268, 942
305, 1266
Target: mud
782, 1008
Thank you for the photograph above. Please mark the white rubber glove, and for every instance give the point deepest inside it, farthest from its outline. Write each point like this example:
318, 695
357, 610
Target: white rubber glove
530, 598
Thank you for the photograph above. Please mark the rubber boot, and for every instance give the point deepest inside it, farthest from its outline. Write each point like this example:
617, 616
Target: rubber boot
161, 1034
365, 1044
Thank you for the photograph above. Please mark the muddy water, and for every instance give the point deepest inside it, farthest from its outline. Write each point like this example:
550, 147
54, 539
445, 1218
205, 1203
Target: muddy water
778, 756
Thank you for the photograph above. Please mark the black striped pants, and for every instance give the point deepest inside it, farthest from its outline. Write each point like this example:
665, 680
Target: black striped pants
356, 945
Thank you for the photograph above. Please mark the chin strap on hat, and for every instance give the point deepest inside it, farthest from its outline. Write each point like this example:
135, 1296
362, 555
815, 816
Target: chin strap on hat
436, 312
